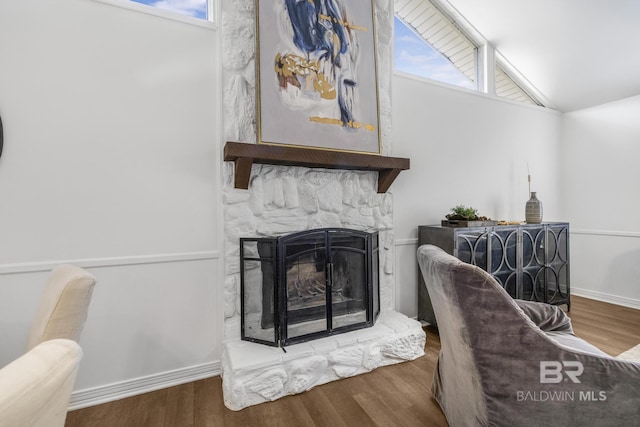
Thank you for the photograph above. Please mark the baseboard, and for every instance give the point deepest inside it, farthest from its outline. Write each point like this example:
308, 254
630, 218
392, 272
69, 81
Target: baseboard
612, 299
110, 392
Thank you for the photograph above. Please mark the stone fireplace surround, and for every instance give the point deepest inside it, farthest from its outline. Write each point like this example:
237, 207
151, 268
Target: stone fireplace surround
282, 200
285, 199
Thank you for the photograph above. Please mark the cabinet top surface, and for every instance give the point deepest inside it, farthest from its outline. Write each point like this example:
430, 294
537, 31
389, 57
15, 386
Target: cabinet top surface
494, 226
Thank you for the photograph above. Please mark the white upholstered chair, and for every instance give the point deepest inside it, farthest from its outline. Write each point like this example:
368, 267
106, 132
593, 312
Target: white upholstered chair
35, 388
63, 306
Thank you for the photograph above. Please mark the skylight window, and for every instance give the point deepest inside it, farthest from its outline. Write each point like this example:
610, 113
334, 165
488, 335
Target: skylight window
432, 40
507, 88
195, 8
414, 55
201, 13
439, 31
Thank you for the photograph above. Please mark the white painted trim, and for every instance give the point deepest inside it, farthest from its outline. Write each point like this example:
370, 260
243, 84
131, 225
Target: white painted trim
110, 392
40, 266
407, 242
460, 21
210, 23
477, 93
609, 233
488, 65
612, 299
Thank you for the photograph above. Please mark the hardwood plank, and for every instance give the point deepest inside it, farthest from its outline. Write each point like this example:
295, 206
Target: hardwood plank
397, 395
321, 409
208, 403
393, 396
147, 412
299, 412
610, 327
422, 414
341, 395
289, 408
378, 411
179, 405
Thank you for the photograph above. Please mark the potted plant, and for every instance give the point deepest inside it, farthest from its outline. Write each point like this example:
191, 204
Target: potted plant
463, 216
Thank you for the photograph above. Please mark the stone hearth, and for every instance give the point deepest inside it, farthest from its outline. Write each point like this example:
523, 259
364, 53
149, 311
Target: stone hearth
256, 373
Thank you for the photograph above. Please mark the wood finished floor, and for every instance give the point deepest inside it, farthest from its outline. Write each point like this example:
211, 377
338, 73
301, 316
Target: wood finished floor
397, 395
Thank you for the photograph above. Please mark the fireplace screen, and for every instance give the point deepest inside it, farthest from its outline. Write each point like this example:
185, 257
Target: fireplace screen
308, 285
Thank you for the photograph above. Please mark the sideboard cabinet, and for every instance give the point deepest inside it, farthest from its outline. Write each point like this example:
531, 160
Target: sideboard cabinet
530, 261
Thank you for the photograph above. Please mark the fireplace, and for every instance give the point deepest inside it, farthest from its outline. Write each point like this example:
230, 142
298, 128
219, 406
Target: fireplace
308, 285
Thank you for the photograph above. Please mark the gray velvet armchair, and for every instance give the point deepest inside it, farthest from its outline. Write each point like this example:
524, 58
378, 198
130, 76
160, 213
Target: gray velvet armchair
505, 362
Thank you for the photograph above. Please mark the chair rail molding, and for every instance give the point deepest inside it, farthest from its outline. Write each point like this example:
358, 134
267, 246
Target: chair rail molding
41, 266
609, 233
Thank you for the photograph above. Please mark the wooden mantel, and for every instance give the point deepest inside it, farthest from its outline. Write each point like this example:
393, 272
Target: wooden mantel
244, 155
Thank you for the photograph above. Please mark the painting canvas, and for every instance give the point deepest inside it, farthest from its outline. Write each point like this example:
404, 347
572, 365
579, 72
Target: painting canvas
317, 83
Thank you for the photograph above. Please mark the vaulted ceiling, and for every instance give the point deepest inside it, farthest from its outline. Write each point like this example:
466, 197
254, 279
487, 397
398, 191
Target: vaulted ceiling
577, 53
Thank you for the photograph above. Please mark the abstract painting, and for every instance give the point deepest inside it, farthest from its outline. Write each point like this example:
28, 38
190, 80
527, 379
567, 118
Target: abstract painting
317, 74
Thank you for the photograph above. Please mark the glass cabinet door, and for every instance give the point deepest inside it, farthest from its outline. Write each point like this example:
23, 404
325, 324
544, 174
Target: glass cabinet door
530, 266
557, 277
504, 259
472, 247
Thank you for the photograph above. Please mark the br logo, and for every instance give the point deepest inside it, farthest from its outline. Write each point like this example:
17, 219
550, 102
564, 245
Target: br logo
553, 372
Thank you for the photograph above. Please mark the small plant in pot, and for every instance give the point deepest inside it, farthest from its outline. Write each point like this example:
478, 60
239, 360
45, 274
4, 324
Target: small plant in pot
463, 216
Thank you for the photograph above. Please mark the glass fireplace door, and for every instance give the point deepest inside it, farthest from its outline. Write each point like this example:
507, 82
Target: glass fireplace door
306, 284
349, 281
258, 293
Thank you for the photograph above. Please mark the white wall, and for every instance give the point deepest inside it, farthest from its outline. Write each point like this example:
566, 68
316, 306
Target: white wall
600, 176
465, 148
111, 160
